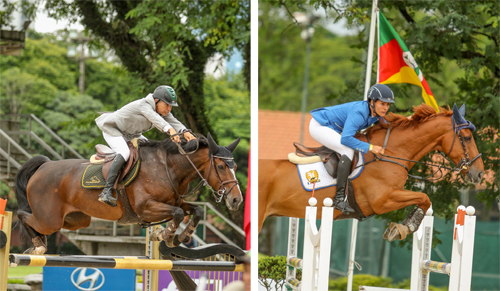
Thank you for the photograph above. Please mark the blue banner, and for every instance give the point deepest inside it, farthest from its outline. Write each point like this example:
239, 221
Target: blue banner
88, 279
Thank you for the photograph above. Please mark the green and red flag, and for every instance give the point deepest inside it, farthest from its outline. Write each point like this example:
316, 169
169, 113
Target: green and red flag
396, 63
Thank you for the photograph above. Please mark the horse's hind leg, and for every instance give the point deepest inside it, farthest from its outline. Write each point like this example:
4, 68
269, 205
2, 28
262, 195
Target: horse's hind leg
39, 240
197, 213
399, 199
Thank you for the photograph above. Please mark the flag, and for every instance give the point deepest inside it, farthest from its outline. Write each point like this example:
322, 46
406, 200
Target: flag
396, 63
248, 212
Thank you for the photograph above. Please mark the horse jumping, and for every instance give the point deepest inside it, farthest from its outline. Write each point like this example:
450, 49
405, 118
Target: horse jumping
380, 186
50, 197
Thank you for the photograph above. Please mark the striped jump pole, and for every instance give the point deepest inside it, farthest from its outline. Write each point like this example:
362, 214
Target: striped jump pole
122, 263
315, 264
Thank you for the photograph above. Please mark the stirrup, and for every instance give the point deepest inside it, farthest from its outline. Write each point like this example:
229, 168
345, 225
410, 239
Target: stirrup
107, 197
343, 206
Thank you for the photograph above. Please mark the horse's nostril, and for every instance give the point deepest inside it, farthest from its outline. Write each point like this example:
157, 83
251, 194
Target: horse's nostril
480, 175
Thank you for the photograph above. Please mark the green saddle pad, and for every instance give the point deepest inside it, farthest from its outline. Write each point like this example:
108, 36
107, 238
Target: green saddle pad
93, 178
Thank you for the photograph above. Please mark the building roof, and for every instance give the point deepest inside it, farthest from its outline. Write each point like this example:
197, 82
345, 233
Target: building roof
277, 132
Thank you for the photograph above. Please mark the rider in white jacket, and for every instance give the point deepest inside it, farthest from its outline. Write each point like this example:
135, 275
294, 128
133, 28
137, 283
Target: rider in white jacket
130, 122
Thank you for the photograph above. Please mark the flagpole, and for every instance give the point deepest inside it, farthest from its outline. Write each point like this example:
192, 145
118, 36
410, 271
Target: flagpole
371, 41
369, 60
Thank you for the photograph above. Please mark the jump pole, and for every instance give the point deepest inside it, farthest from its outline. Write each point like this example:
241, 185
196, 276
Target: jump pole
125, 262
315, 264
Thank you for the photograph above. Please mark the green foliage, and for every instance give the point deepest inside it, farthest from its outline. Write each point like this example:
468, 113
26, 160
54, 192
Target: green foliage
360, 279
274, 268
23, 92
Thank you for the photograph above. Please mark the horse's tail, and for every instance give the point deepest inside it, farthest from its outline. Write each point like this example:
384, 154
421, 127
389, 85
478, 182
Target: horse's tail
23, 176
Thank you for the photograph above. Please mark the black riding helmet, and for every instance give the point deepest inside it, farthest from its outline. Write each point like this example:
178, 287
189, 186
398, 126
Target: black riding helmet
380, 92
166, 94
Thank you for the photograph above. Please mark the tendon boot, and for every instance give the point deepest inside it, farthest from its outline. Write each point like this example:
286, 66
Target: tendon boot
107, 194
339, 202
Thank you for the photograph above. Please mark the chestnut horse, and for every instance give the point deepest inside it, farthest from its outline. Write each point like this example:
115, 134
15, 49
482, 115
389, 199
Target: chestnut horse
50, 197
380, 186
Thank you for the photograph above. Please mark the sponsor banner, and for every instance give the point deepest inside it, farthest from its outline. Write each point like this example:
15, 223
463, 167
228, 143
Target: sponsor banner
88, 279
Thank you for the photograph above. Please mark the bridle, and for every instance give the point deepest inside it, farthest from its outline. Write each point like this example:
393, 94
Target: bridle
465, 162
463, 165
221, 192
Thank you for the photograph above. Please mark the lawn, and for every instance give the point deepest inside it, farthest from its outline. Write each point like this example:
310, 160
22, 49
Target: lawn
23, 271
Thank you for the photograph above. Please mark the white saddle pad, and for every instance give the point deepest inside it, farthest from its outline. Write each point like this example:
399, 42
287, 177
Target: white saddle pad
324, 179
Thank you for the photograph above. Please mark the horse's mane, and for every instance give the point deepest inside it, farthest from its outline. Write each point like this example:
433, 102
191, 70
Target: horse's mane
421, 114
170, 147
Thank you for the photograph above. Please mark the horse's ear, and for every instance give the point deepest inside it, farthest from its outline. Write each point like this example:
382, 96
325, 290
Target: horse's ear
462, 110
212, 145
459, 119
232, 146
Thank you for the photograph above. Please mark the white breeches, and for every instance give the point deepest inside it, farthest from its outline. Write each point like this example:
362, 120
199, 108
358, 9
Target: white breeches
119, 144
329, 138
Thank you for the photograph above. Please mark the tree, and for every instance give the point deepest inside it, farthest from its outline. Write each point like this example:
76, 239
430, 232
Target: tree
166, 42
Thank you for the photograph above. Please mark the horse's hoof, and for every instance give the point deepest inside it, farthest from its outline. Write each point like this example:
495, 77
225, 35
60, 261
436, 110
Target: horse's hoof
157, 235
173, 242
396, 231
39, 250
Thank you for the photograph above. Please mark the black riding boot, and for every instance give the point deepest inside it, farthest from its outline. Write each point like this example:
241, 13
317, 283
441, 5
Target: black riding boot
339, 201
107, 194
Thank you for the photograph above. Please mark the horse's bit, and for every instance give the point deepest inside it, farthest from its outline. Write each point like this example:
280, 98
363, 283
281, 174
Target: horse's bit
463, 165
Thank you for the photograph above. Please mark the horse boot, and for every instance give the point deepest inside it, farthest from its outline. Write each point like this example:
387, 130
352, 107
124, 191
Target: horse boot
107, 194
339, 202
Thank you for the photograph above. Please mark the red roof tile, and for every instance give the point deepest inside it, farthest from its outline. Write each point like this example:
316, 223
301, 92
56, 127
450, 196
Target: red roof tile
277, 132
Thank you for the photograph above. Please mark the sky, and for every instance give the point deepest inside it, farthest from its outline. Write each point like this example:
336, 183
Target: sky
45, 24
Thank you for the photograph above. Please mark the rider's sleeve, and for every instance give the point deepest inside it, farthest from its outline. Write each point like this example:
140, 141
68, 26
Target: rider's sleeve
353, 123
176, 124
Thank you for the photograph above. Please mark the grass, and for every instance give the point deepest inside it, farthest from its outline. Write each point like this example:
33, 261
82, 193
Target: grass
24, 270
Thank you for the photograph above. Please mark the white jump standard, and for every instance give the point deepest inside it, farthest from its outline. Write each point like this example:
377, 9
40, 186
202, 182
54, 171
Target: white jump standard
460, 268
315, 264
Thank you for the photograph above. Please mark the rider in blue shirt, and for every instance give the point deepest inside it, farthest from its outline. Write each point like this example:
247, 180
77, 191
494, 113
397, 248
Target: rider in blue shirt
335, 127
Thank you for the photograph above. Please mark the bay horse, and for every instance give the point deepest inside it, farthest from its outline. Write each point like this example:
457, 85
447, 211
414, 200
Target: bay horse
380, 186
50, 197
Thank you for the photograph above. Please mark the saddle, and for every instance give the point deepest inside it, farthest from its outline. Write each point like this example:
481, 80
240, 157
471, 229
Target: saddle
105, 155
329, 157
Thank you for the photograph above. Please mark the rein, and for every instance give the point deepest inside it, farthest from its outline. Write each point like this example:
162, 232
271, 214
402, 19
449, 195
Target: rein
219, 194
462, 166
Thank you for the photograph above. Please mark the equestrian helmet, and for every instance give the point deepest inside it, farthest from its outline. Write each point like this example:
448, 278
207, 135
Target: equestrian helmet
166, 94
380, 92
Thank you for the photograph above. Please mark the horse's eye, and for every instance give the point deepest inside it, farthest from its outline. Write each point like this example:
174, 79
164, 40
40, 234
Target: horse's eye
467, 138
221, 167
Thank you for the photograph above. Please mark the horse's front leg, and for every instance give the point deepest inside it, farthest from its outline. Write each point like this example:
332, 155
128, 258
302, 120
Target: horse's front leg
399, 199
156, 211
197, 213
